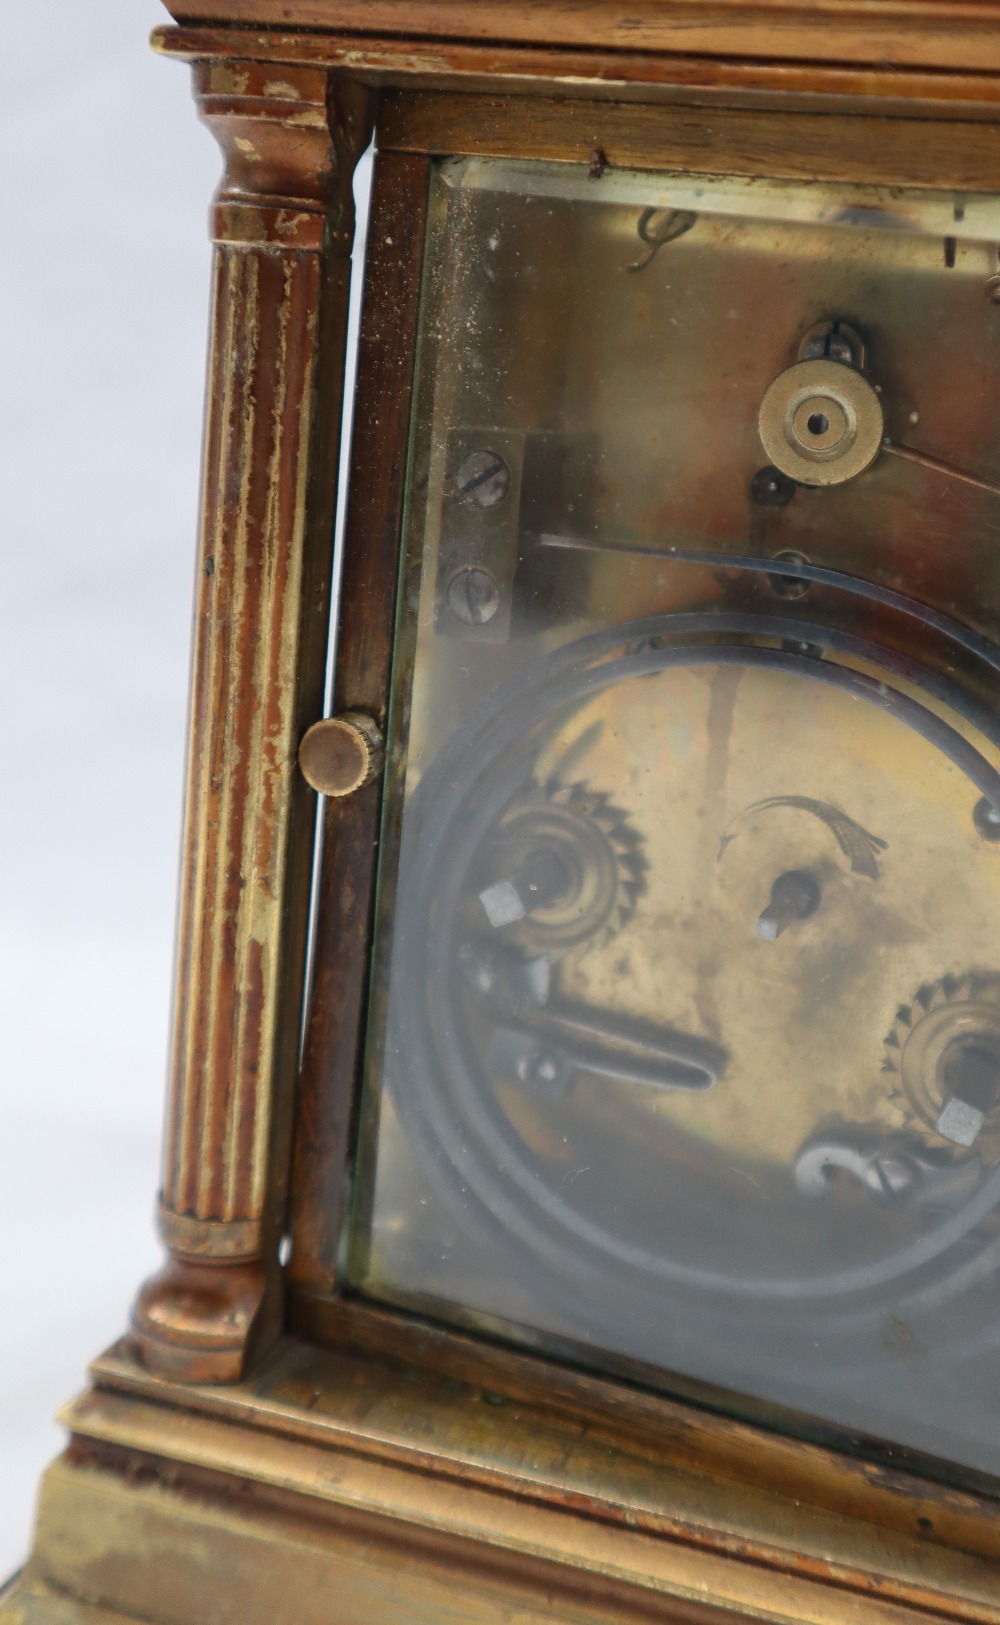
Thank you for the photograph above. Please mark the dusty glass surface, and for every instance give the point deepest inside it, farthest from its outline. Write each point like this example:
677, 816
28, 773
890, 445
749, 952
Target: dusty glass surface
685, 1030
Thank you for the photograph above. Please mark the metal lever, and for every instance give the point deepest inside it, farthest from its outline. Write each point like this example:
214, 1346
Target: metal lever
542, 1039
544, 1048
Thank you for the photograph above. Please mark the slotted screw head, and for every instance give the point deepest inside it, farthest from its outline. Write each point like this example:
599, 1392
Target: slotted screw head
473, 596
483, 479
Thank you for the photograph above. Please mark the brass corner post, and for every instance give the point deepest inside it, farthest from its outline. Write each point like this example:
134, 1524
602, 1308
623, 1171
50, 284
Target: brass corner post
283, 227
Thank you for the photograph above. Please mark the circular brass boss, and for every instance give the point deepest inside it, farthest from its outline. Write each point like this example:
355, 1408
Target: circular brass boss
821, 422
341, 754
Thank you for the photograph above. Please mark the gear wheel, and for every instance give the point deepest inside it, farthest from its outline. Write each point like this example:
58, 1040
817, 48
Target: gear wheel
563, 867
951, 1027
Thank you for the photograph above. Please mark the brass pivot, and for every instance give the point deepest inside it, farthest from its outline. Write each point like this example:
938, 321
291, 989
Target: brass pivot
945, 1050
339, 755
794, 896
821, 422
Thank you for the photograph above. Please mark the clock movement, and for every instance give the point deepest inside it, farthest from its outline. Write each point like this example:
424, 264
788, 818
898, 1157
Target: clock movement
685, 1012
581, 1187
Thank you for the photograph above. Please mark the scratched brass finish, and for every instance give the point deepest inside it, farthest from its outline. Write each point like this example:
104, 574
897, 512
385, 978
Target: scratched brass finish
932, 34
437, 1497
282, 226
270, 1443
689, 851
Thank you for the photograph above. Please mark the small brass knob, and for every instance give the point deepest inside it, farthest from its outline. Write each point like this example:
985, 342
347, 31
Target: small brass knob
339, 755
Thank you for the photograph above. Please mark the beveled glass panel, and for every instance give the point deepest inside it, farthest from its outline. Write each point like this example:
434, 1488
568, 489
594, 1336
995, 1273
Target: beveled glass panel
684, 1044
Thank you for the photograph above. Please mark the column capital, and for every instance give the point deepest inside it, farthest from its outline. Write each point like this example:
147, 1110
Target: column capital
290, 137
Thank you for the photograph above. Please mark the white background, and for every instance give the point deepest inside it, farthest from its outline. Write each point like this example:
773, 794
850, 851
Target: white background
104, 262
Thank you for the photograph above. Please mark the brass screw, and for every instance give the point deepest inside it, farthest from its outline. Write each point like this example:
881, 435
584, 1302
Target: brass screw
473, 596
769, 488
483, 479
789, 586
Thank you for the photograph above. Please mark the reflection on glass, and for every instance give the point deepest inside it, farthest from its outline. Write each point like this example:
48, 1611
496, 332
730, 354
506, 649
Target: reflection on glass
685, 1033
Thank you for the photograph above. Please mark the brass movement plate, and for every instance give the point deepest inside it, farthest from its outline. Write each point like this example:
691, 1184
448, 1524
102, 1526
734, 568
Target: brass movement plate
685, 1036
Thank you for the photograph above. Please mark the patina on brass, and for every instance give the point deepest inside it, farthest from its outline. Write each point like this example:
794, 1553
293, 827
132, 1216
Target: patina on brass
283, 228
821, 422
667, 855
341, 754
265, 1446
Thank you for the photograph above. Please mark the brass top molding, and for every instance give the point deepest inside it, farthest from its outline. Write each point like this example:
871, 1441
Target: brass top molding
959, 35
621, 76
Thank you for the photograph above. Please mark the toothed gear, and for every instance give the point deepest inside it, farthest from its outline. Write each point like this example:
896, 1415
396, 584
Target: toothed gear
578, 867
941, 1016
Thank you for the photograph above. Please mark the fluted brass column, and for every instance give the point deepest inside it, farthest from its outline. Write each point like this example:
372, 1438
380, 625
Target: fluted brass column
283, 226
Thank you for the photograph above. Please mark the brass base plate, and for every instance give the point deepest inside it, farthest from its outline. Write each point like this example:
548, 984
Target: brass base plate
338, 1489
26, 1601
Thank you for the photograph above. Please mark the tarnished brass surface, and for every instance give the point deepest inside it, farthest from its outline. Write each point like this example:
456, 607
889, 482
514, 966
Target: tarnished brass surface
430, 1499
214, 1238
29, 1601
339, 755
821, 422
329, 1486
935, 33
681, 842
283, 228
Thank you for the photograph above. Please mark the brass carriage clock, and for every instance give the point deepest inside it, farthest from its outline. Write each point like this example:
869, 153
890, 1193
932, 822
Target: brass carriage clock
616, 1235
